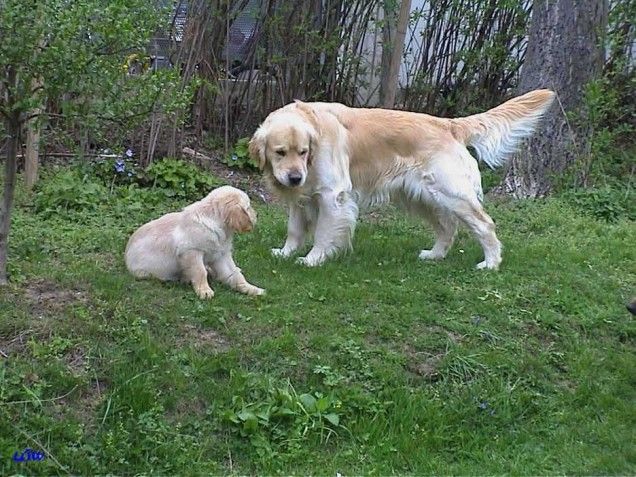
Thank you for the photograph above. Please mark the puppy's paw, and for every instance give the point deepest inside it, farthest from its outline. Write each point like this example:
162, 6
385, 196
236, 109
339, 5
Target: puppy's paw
281, 252
205, 293
255, 291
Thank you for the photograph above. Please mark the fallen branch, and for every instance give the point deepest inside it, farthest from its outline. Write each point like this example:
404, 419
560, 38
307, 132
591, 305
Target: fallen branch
197, 155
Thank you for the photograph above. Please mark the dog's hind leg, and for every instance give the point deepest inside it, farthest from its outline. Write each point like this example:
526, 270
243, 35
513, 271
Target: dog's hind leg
193, 270
480, 223
454, 185
445, 227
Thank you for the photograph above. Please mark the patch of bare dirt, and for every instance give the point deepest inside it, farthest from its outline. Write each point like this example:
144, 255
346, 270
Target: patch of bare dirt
82, 403
441, 331
76, 361
186, 408
423, 363
203, 338
10, 345
45, 296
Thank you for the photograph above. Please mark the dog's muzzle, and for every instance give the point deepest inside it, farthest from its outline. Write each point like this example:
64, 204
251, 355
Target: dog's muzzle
294, 178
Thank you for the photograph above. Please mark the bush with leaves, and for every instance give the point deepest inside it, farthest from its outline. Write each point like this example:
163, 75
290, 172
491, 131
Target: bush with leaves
69, 190
115, 171
240, 156
179, 179
606, 203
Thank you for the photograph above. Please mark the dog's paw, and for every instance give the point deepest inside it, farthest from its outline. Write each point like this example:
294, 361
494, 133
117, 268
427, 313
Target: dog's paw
205, 293
281, 252
309, 261
487, 266
430, 255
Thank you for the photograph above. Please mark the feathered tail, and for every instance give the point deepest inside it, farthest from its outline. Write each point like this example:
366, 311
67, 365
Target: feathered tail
496, 133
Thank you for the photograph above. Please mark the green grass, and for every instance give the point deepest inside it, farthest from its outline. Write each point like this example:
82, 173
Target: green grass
375, 363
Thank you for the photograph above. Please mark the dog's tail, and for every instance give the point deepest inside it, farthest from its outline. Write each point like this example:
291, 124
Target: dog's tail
496, 133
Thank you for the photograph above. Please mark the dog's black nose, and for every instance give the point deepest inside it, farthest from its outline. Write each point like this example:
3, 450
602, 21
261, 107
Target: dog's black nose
294, 178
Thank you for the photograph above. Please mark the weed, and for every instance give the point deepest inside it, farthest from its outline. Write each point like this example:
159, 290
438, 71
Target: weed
240, 156
275, 417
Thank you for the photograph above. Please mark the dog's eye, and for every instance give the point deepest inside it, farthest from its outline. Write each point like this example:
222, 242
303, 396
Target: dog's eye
303, 152
281, 152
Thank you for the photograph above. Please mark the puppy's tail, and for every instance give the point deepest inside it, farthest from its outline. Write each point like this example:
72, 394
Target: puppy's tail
496, 133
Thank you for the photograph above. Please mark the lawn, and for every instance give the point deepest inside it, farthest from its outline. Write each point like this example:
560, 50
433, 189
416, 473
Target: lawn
375, 363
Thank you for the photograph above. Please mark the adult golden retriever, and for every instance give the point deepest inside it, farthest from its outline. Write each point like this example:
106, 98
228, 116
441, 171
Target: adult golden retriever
188, 245
326, 159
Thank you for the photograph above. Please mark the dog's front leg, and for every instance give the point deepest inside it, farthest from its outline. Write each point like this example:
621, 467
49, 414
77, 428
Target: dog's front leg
337, 215
226, 271
194, 271
296, 232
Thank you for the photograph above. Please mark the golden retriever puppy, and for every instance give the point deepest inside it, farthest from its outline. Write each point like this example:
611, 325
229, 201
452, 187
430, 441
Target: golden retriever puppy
195, 242
326, 159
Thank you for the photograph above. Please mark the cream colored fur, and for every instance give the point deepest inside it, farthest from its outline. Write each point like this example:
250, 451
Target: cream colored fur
326, 159
195, 242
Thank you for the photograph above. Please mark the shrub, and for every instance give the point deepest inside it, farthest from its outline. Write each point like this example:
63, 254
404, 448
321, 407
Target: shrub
120, 170
605, 203
180, 179
240, 156
69, 190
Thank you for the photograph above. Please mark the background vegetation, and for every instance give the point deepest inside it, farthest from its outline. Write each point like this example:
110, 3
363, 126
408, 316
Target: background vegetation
375, 363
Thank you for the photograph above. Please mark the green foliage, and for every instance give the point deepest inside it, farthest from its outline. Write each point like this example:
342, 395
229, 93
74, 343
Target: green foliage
74, 47
69, 190
612, 144
240, 156
605, 203
180, 179
275, 418
116, 171
79, 52
169, 177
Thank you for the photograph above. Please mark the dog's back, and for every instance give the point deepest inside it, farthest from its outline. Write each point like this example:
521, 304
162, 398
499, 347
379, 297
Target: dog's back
150, 251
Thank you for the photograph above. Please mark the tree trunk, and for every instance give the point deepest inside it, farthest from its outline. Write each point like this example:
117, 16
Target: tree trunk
393, 46
32, 155
33, 129
565, 52
10, 168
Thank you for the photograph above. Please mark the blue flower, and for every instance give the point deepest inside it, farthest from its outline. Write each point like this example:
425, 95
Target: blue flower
120, 165
128, 153
485, 406
234, 157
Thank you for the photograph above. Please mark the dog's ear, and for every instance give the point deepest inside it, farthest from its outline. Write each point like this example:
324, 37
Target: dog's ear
256, 148
314, 132
239, 219
310, 114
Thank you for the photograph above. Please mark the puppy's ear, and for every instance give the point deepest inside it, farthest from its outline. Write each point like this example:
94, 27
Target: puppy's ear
256, 148
239, 219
